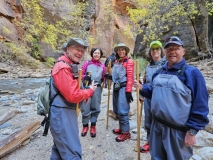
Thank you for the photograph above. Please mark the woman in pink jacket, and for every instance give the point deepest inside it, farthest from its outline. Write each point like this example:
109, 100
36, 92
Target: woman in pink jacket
92, 70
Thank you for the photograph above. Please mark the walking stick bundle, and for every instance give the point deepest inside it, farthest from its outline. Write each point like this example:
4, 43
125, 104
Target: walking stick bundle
109, 71
79, 86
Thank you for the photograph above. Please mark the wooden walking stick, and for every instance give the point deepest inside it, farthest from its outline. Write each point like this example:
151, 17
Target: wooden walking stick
109, 71
79, 86
139, 115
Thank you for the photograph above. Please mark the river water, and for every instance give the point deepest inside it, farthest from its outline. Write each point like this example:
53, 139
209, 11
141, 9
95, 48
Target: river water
21, 84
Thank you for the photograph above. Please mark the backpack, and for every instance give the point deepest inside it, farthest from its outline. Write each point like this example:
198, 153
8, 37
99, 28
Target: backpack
44, 102
111, 57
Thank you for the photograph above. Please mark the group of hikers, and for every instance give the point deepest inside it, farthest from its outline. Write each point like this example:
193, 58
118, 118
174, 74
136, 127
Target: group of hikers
174, 95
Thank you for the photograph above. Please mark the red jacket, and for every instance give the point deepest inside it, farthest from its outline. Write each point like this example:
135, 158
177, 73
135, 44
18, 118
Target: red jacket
129, 65
66, 84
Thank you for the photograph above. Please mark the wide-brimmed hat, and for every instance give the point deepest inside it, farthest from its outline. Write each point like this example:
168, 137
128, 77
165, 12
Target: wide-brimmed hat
155, 42
77, 41
122, 45
173, 40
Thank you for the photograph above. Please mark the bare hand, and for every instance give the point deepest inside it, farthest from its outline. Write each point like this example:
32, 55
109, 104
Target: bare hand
189, 139
141, 80
93, 86
137, 85
87, 101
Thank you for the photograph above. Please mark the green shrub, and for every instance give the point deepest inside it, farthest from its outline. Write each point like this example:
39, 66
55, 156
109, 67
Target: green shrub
142, 64
50, 61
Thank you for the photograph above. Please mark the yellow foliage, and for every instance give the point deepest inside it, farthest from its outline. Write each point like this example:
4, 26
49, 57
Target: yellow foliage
152, 13
6, 30
52, 34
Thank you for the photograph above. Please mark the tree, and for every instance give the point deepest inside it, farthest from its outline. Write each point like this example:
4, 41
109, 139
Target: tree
156, 17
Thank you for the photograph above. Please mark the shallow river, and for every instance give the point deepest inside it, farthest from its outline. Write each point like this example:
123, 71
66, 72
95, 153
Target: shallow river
21, 84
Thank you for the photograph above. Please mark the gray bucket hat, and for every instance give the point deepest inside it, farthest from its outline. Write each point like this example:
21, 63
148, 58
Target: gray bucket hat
77, 41
64, 47
122, 45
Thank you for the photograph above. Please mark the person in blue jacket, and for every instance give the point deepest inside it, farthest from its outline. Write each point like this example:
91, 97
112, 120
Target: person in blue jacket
179, 101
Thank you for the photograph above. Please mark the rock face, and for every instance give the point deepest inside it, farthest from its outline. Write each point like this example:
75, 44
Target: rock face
106, 21
105, 26
195, 33
10, 10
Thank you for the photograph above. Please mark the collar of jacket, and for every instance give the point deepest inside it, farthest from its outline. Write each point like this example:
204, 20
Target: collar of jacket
95, 61
122, 59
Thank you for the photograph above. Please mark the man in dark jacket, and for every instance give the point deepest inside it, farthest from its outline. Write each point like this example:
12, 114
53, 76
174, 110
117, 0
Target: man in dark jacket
179, 101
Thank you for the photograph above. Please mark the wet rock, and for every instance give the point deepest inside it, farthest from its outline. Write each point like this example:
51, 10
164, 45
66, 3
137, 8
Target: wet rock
23, 76
28, 102
4, 98
36, 75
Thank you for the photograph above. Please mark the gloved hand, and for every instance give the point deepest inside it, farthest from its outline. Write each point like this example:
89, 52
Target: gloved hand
87, 81
108, 76
129, 97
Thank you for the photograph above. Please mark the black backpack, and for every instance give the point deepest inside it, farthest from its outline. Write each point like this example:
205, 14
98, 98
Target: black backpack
112, 57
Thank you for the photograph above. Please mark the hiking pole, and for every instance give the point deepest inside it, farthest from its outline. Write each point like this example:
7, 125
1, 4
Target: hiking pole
103, 83
138, 112
79, 86
109, 71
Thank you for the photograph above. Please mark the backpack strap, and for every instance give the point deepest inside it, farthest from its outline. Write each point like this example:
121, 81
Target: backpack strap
181, 70
64, 62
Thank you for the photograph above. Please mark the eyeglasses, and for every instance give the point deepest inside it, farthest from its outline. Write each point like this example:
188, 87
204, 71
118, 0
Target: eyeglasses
172, 48
158, 48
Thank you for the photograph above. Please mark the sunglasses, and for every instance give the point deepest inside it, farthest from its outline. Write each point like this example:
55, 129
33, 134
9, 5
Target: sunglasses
155, 48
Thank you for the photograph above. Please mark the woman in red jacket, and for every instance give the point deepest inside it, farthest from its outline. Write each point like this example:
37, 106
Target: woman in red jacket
123, 78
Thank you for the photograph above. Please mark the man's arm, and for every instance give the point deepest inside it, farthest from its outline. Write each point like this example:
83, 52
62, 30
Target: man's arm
68, 87
199, 110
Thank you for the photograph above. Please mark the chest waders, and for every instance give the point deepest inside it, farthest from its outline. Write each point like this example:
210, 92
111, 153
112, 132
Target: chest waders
150, 70
171, 104
64, 129
91, 110
120, 105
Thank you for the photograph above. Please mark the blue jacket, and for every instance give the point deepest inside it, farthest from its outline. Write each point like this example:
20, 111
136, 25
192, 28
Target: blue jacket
194, 80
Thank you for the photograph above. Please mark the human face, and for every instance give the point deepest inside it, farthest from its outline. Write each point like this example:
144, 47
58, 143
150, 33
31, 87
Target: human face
97, 54
174, 54
155, 52
121, 52
75, 52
